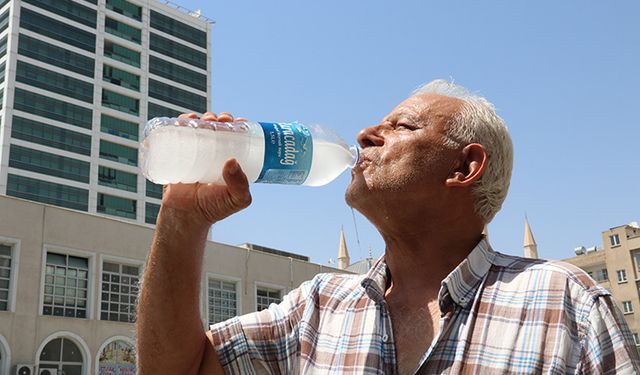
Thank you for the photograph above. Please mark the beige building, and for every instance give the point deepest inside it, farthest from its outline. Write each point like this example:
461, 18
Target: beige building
69, 281
617, 268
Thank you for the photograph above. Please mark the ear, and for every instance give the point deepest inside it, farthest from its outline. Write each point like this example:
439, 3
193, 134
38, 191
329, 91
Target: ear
473, 161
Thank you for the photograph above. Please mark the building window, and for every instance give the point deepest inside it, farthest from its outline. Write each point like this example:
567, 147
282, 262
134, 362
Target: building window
604, 274
154, 190
615, 240
54, 82
6, 262
50, 135
267, 296
590, 273
118, 153
178, 29
636, 339
122, 30
117, 357
622, 276
119, 292
178, 51
50, 164
117, 179
62, 355
177, 73
119, 127
223, 300
116, 206
125, 8
53, 109
69, 9
151, 211
177, 96
122, 54
120, 102
47, 192
156, 110
55, 55
57, 30
65, 286
121, 78
627, 307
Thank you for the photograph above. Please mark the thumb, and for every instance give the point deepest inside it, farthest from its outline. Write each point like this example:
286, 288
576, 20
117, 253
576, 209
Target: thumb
237, 183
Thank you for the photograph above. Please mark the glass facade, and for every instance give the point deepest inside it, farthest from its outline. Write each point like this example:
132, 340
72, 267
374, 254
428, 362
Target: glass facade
177, 96
121, 78
151, 212
65, 286
68, 9
154, 190
177, 73
49, 164
49, 135
116, 206
178, 29
157, 110
5, 275
54, 82
122, 30
57, 30
52, 108
119, 292
222, 298
117, 179
119, 153
122, 54
3, 46
121, 128
54, 55
3, 70
125, 8
4, 21
47, 192
178, 51
120, 102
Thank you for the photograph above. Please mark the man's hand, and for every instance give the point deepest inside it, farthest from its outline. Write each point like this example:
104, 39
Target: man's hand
209, 203
171, 339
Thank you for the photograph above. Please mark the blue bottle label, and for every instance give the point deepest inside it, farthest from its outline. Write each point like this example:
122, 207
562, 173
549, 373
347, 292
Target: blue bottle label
288, 151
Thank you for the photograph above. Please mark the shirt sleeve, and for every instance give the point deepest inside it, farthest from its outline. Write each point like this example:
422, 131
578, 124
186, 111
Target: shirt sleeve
608, 346
264, 342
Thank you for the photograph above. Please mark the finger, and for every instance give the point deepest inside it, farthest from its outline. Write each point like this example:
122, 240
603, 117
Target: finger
210, 116
191, 115
240, 119
237, 183
225, 117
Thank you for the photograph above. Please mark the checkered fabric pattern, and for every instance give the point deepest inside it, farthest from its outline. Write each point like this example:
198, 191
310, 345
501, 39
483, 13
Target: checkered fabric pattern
500, 315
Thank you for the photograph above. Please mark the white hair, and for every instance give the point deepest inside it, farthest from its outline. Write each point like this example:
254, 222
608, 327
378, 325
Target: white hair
477, 122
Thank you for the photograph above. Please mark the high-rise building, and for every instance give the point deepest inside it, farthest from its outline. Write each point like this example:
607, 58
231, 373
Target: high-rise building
616, 267
78, 79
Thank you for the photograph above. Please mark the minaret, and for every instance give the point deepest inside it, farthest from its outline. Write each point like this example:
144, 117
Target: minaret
343, 253
530, 246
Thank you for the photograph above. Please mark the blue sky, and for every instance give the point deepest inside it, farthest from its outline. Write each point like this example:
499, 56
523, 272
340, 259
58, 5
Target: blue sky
564, 75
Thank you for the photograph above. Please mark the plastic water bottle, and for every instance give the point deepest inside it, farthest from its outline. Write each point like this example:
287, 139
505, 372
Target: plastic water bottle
179, 150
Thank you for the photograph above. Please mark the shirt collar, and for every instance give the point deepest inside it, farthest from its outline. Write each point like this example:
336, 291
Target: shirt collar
463, 282
459, 286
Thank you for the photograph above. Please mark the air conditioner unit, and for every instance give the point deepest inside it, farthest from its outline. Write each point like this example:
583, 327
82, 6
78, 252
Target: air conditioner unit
47, 371
22, 369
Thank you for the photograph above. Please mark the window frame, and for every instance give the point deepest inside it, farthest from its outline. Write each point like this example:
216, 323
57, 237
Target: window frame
221, 277
122, 261
91, 258
628, 304
615, 243
260, 284
15, 245
625, 279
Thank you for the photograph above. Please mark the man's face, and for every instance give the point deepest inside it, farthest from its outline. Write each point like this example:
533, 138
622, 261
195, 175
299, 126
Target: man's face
405, 157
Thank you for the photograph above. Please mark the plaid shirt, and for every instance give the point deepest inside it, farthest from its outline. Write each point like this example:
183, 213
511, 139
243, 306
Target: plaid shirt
501, 315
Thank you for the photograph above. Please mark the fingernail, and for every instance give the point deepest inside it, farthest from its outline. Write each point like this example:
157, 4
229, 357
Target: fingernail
234, 168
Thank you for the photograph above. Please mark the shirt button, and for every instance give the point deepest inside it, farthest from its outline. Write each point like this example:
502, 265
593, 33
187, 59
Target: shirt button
385, 338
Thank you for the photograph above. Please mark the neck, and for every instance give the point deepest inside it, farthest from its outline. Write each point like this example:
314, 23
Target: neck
420, 256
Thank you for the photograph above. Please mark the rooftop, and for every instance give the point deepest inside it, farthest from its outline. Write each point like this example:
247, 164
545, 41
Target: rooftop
195, 13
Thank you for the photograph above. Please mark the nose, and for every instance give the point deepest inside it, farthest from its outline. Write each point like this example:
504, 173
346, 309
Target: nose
370, 137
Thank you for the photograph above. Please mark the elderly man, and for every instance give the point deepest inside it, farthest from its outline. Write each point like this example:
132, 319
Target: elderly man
434, 172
